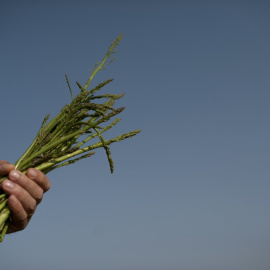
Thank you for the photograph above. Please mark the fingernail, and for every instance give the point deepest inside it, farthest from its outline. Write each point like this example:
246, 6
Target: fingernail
8, 184
14, 175
32, 173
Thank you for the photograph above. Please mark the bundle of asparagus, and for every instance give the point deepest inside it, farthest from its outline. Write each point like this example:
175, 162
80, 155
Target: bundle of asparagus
65, 139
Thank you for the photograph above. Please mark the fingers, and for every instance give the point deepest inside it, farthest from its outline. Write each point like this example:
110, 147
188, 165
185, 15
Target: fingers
20, 218
39, 178
5, 167
25, 193
34, 182
27, 188
27, 201
26, 184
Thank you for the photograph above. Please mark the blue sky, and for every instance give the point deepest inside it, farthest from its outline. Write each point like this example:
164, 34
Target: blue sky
191, 191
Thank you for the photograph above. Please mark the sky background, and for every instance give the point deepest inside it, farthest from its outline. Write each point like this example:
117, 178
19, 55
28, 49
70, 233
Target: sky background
191, 191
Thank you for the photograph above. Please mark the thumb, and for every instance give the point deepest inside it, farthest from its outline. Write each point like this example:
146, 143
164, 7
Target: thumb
5, 167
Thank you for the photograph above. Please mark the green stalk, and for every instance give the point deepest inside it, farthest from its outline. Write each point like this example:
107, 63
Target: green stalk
17, 163
53, 162
50, 146
95, 135
102, 64
4, 221
62, 141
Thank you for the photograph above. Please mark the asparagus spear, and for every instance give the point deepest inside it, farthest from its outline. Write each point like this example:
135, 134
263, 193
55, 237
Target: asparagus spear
68, 137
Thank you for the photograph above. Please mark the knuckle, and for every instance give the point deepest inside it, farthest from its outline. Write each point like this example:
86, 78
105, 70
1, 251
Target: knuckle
32, 207
39, 197
20, 225
48, 186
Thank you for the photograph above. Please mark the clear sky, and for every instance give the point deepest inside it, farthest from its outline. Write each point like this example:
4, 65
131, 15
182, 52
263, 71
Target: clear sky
191, 191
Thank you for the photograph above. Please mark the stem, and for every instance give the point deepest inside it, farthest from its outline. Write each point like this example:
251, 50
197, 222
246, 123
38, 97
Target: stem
4, 215
95, 135
46, 165
17, 163
101, 65
69, 87
3, 195
3, 204
52, 145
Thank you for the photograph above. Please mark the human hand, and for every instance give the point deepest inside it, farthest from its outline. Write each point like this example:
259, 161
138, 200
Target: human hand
25, 193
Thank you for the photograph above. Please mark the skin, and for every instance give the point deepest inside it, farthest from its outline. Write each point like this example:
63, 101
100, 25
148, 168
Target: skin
25, 193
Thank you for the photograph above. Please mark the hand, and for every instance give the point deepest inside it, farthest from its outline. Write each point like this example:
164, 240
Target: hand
25, 193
